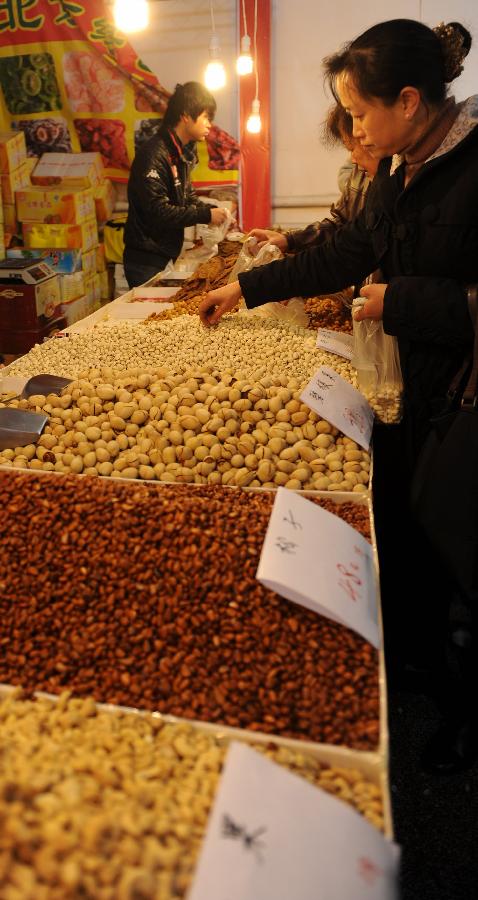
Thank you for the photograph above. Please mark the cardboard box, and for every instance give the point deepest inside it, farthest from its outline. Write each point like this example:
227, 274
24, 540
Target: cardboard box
88, 262
93, 289
74, 170
83, 236
15, 341
61, 206
63, 262
28, 307
13, 150
75, 310
107, 284
13, 181
105, 199
10, 221
71, 286
100, 258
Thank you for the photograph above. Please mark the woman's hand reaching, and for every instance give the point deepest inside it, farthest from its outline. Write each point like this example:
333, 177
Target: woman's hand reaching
218, 302
265, 236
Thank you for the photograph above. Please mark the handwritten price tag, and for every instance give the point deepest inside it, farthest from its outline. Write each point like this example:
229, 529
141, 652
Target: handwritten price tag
335, 342
272, 836
334, 399
314, 558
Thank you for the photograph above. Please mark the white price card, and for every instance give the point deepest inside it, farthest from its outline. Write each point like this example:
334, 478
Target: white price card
335, 342
334, 399
273, 836
314, 558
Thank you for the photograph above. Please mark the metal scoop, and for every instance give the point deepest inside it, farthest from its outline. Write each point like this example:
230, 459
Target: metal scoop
19, 427
45, 384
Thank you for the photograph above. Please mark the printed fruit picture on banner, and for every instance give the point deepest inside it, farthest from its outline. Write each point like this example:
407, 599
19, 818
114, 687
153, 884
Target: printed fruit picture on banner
92, 85
29, 83
147, 99
45, 135
223, 150
105, 136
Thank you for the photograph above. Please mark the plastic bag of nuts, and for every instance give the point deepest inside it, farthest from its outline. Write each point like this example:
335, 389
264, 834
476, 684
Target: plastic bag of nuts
379, 376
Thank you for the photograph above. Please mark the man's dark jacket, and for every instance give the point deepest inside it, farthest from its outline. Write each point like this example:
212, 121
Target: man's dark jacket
161, 200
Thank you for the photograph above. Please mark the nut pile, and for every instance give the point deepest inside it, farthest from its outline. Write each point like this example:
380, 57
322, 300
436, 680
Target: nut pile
254, 347
201, 427
114, 806
386, 402
328, 312
147, 597
209, 275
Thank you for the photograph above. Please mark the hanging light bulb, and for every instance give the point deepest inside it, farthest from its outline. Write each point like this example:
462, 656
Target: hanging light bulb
254, 123
130, 16
215, 74
244, 64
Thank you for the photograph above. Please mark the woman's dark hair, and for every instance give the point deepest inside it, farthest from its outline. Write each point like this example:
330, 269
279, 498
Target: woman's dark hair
400, 52
190, 99
338, 124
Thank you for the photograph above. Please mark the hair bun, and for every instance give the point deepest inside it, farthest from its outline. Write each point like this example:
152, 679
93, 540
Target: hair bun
456, 43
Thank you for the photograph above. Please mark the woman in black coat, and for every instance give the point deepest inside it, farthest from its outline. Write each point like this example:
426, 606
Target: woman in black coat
420, 227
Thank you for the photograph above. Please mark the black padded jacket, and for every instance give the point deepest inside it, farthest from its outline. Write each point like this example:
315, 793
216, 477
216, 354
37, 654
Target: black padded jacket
161, 200
424, 238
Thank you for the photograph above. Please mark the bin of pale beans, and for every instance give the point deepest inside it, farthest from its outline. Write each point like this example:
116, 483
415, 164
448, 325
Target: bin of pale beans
114, 806
146, 596
205, 426
248, 345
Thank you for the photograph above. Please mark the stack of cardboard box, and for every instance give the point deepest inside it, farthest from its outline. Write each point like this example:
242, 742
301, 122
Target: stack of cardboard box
61, 211
15, 169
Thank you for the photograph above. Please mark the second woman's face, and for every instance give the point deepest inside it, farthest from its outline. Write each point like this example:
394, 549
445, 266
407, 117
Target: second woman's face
382, 130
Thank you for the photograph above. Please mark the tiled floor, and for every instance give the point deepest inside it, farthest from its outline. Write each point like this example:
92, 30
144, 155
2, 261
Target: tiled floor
435, 818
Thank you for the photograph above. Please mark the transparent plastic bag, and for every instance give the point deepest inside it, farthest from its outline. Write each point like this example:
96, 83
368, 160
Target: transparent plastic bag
291, 311
211, 235
379, 376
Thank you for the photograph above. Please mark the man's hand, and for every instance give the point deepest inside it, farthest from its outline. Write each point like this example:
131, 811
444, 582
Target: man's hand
373, 306
218, 215
218, 302
265, 236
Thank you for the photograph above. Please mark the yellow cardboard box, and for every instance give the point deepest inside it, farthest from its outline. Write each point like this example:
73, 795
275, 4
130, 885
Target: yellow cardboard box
10, 218
61, 236
106, 284
100, 258
15, 180
13, 150
105, 199
52, 205
72, 286
88, 262
90, 290
74, 170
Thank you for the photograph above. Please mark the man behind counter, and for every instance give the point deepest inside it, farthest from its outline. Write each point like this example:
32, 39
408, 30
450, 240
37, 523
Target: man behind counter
161, 200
